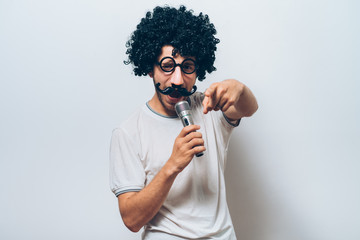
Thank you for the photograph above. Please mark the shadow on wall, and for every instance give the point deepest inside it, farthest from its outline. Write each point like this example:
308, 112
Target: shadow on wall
256, 211
244, 192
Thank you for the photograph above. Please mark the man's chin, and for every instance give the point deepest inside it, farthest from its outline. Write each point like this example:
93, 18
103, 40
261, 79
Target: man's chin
168, 103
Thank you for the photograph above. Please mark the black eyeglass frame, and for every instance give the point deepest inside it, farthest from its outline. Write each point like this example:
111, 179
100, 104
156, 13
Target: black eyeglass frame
178, 64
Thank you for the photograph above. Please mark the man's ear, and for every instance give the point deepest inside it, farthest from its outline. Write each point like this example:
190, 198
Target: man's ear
151, 74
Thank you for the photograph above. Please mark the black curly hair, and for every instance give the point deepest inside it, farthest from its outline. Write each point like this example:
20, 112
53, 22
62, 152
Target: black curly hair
190, 35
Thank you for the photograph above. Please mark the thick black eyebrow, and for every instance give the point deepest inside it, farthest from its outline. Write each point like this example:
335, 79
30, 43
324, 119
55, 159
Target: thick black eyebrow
174, 52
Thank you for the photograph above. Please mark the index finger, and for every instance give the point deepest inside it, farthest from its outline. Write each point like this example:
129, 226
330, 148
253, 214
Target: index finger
209, 100
188, 129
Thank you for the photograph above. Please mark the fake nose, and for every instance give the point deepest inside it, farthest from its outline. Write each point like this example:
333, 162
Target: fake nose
177, 77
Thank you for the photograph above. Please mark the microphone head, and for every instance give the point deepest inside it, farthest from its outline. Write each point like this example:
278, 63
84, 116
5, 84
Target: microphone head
181, 106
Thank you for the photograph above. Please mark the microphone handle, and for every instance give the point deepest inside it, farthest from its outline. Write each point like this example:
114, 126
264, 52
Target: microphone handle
186, 121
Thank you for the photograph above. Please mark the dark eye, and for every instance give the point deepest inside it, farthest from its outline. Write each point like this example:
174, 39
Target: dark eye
167, 65
188, 66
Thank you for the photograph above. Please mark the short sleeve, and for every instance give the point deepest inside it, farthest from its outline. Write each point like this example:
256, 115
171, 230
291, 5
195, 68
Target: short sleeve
126, 170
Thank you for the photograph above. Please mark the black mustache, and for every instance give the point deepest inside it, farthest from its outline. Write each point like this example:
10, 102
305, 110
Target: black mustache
183, 92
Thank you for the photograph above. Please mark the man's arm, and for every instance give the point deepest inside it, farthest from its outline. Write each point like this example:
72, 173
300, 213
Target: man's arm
138, 208
232, 97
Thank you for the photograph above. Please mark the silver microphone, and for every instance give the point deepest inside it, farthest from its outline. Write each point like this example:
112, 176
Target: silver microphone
183, 110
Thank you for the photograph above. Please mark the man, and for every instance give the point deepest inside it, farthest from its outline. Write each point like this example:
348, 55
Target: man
159, 183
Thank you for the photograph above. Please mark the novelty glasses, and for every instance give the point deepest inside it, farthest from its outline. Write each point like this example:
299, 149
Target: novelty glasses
168, 64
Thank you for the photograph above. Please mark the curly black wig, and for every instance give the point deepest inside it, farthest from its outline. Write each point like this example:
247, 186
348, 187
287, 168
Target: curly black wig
190, 35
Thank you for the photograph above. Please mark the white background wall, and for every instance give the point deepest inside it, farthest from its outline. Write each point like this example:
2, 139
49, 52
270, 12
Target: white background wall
293, 169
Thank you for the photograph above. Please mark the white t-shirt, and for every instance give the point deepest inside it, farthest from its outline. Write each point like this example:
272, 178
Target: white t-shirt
196, 206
